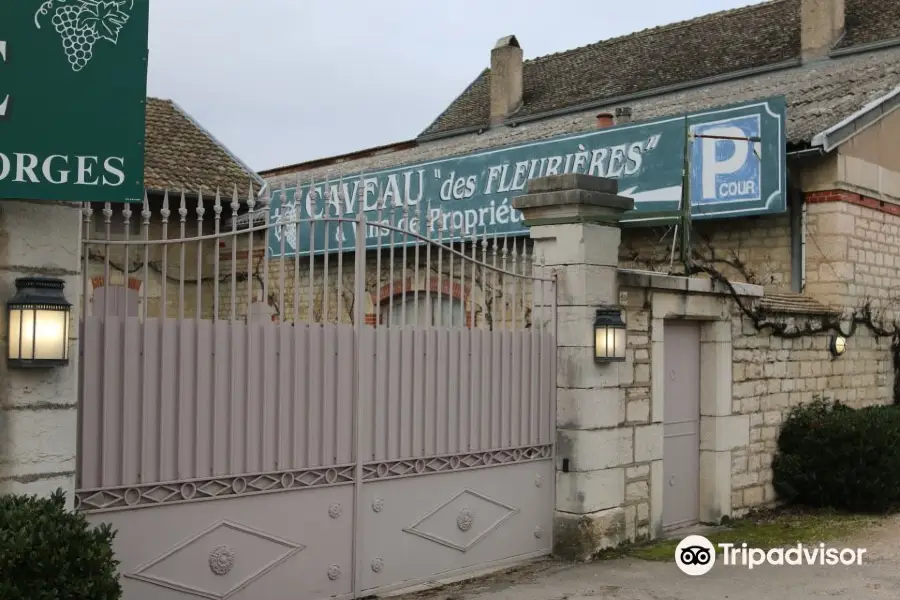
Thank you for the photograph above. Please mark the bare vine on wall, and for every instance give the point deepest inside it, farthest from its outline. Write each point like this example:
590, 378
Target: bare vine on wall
866, 315
656, 256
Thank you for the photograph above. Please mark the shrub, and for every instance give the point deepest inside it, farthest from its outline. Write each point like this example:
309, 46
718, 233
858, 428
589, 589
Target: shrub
833, 456
48, 552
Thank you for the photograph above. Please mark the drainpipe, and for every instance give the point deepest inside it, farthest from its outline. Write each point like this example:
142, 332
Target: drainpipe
797, 223
804, 221
798, 217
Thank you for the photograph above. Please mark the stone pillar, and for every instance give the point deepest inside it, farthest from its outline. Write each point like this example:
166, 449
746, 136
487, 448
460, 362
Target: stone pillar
573, 220
38, 407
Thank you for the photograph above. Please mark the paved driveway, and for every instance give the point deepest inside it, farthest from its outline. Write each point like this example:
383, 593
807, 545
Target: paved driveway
629, 579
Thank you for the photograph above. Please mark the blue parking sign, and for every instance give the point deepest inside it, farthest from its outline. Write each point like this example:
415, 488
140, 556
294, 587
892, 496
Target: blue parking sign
725, 171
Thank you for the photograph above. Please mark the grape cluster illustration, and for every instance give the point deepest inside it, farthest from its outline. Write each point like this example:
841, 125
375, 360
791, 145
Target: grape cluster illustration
80, 24
78, 41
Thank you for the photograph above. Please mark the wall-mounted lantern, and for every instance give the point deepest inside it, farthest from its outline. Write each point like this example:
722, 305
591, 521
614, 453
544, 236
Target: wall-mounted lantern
609, 336
837, 345
38, 320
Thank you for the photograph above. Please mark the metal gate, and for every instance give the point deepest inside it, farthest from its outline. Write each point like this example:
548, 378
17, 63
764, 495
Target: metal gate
316, 426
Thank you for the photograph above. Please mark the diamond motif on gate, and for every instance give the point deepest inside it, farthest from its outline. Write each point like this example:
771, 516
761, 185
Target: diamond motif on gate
104, 499
213, 488
474, 460
438, 464
310, 478
264, 482
162, 493
441, 525
263, 553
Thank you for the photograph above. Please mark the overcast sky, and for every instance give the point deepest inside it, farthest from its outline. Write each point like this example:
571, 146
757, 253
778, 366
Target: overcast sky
284, 81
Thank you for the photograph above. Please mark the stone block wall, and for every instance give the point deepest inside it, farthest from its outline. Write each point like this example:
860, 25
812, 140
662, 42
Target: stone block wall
772, 375
38, 407
852, 241
769, 376
752, 250
871, 250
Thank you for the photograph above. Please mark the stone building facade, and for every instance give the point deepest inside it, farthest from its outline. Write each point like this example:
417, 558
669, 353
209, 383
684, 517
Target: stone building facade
830, 255
828, 259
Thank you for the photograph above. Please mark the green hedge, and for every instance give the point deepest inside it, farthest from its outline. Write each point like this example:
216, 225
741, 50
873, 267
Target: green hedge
50, 553
833, 456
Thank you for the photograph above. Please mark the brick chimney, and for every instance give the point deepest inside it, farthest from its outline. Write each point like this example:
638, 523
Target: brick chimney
821, 26
506, 78
605, 120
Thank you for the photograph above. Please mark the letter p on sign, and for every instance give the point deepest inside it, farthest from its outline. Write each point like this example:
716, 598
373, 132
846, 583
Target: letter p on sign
727, 170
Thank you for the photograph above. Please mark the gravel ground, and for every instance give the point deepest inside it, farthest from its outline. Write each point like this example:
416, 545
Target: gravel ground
631, 579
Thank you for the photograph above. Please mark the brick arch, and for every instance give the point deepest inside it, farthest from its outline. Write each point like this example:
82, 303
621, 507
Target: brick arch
118, 295
409, 285
100, 281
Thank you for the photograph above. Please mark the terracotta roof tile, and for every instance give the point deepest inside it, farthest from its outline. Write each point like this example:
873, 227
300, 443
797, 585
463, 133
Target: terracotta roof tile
717, 45
794, 304
179, 153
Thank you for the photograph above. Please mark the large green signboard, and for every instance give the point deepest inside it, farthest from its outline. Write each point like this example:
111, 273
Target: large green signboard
73, 88
737, 168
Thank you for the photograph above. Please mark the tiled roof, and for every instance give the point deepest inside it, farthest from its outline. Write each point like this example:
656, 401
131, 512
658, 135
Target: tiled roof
870, 21
180, 154
719, 45
820, 95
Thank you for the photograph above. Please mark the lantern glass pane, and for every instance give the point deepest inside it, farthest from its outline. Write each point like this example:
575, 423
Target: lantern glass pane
15, 324
619, 343
600, 346
610, 342
49, 334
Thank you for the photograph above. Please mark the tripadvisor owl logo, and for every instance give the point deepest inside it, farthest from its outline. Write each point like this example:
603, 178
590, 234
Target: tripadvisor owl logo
81, 24
695, 555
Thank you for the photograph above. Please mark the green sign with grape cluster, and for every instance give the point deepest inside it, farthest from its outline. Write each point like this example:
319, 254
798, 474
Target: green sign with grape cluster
73, 92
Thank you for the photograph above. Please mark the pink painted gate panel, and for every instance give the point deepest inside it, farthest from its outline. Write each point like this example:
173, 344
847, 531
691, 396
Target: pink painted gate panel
202, 399
331, 436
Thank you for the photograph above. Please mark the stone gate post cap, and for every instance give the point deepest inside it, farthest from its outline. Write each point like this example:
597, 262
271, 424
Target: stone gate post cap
572, 181
572, 198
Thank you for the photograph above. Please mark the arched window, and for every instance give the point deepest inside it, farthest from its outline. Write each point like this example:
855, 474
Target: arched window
423, 309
